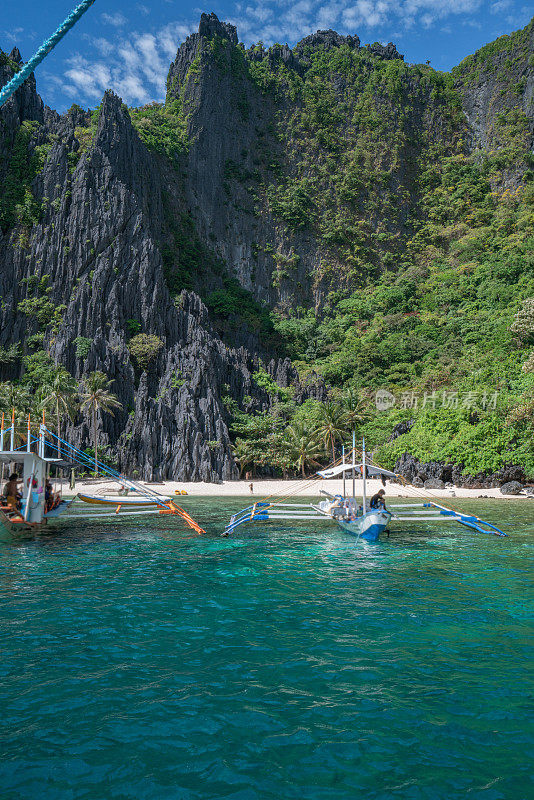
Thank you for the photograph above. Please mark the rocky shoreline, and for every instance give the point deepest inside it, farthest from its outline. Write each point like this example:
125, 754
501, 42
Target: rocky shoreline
510, 479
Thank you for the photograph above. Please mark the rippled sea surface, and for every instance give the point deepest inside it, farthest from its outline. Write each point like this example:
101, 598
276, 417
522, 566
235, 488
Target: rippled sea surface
142, 661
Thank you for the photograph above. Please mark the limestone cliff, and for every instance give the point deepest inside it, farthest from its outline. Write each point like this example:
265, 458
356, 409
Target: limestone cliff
277, 178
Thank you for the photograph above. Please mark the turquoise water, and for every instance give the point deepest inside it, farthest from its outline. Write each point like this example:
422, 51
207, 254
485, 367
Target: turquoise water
142, 661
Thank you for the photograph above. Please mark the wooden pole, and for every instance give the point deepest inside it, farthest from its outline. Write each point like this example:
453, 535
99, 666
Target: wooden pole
2, 433
343, 462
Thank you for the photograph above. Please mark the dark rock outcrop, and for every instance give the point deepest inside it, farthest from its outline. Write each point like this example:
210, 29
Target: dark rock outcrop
434, 483
388, 51
327, 40
401, 428
513, 487
98, 243
421, 474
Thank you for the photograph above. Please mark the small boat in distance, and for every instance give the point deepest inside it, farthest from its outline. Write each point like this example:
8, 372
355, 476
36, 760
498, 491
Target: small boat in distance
34, 504
127, 502
366, 521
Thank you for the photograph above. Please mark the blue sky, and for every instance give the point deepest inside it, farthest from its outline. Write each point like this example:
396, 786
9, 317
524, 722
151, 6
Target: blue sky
127, 46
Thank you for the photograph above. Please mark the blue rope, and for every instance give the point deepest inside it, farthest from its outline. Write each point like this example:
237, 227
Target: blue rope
43, 51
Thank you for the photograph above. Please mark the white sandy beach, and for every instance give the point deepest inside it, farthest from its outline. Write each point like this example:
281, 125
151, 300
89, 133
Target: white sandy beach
292, 488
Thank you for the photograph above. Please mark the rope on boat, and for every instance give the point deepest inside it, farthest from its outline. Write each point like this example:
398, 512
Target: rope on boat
260, 509
48, 45
165, 506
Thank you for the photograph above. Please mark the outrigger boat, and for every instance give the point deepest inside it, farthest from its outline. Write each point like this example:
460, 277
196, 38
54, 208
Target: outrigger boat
358, 519
31, 511
127, 502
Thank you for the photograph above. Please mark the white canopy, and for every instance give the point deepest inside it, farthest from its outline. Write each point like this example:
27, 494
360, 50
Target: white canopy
372, 471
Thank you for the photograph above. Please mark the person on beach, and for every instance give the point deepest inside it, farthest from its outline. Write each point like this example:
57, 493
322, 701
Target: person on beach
378, 500
251, 487
11, 491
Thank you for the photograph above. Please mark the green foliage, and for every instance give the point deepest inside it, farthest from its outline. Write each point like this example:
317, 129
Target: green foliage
17, 204
523, 323
39, 307
82, 345
234, 305
292, 202
481, 443
144, 348
11, 354
162, 128
133, 326
262, 379
39, 370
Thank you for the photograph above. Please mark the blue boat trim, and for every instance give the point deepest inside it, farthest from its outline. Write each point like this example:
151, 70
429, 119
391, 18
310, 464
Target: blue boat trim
346, 512
469, 520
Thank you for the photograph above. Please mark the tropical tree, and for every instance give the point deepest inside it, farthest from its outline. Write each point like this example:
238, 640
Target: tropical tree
244, 454
96, 396
303, 446
17, 397
354, 410
332, 425
60, 397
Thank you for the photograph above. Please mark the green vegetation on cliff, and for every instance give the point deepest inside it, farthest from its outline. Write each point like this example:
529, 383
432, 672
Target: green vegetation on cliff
381, 217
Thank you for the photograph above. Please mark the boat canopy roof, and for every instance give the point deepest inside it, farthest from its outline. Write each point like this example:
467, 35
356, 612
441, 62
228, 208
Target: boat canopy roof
23, 457
372, 471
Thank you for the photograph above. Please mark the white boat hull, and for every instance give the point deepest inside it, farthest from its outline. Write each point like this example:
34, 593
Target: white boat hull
368, 527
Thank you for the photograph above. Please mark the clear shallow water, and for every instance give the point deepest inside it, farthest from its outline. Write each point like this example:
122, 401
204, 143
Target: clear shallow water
142, 661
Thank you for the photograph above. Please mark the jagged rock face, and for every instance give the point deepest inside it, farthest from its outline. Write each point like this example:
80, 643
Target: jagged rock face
104, 220
326, 39
98, 243
496, 83
231, 124
388, 51
219, 135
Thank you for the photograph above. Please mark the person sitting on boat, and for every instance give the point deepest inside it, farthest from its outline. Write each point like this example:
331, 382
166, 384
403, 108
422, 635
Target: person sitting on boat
52, 499
49, 496
11, 492
378, 500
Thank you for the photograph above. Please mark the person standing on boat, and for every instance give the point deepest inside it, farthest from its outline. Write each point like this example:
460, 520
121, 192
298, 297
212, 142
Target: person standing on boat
11, 491
378, 500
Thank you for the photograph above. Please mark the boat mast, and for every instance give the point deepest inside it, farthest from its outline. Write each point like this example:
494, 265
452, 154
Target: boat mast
364, 478
354, 464
343, 462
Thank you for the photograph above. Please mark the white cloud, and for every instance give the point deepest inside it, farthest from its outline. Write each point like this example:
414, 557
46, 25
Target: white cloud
278, 20
500, 6
135, 64
135, 67
13, 36
117, 19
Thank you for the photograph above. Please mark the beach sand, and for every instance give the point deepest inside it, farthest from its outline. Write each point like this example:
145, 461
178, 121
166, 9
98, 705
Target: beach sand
291, 488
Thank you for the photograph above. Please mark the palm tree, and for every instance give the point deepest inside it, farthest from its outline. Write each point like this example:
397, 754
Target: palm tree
354, 410
243, 454
303, 446
96, 396
60, 397
21, 399
332, 425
